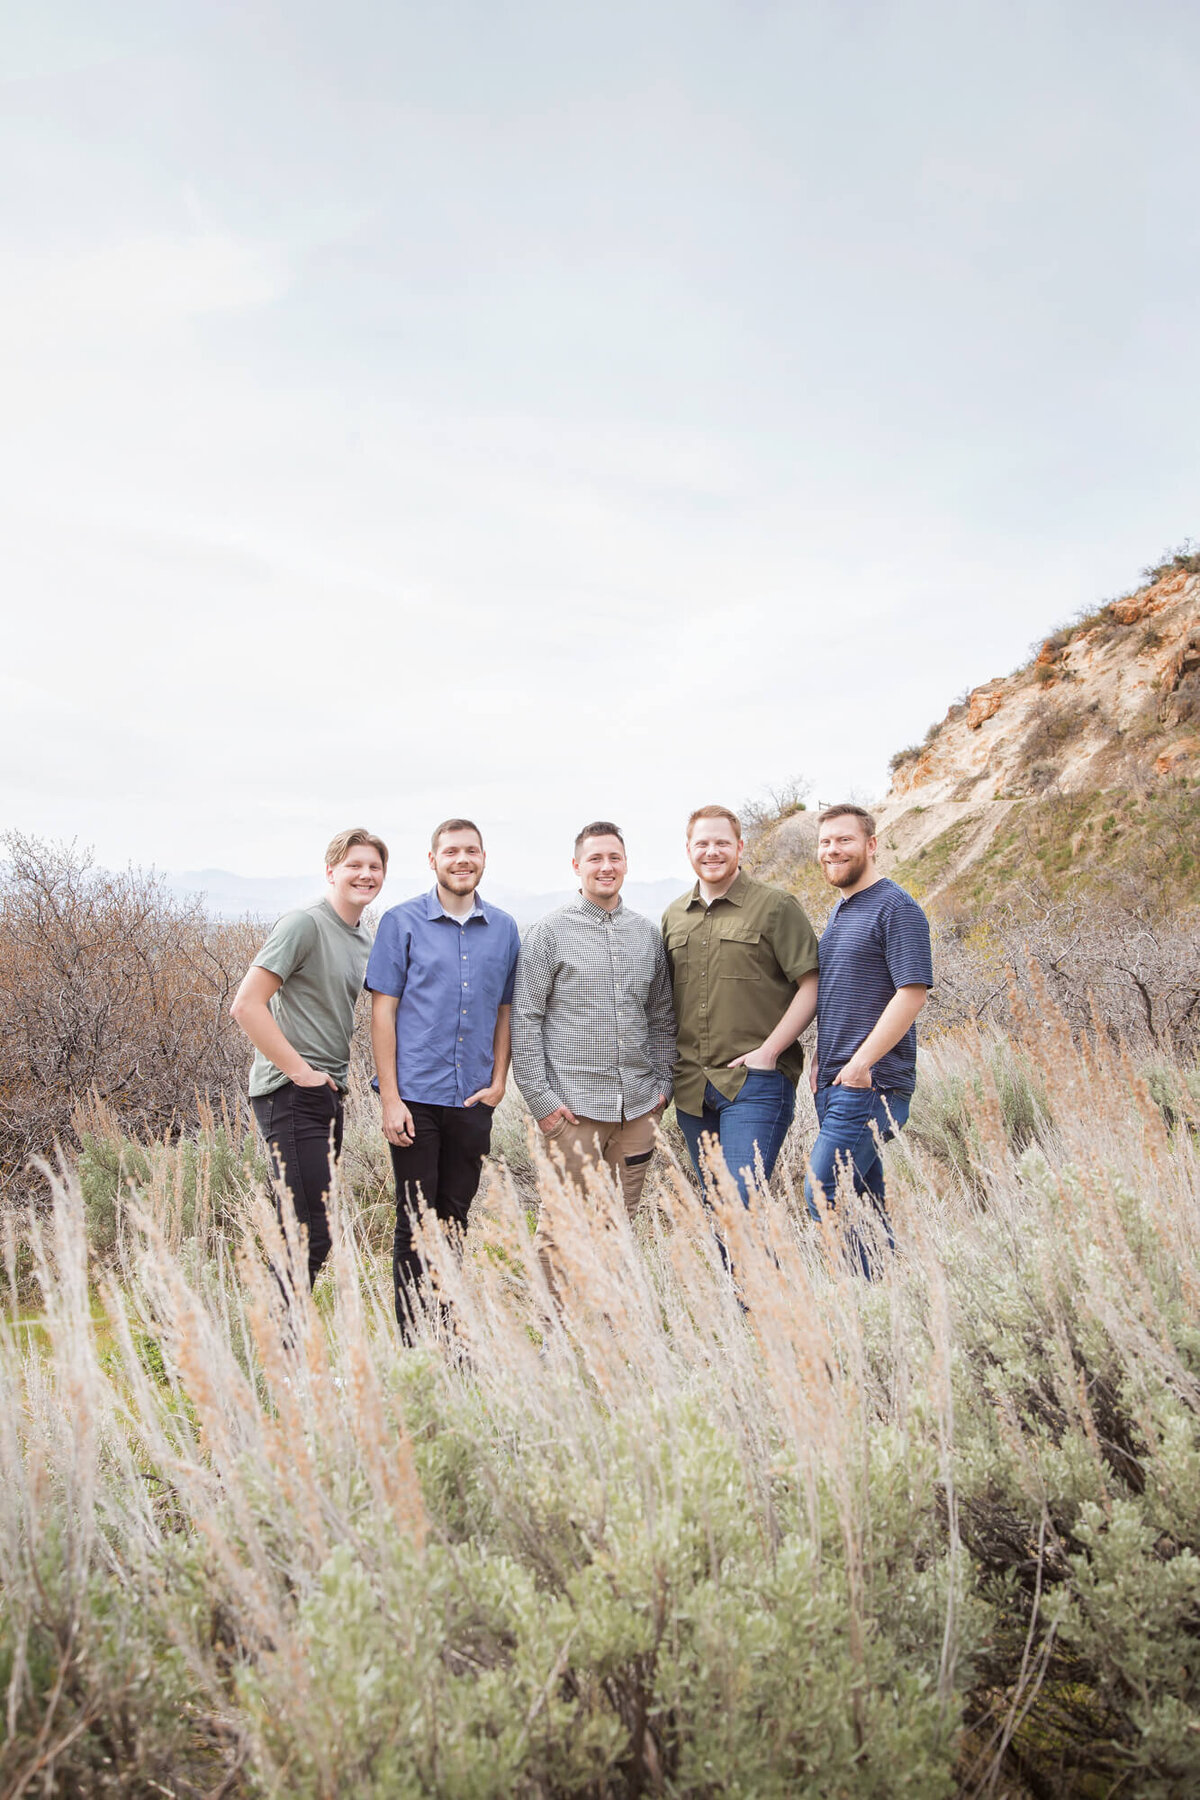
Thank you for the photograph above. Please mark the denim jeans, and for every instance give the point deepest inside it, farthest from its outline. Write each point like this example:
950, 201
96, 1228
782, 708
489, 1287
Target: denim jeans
756, 1121
296, 1125
854, 1125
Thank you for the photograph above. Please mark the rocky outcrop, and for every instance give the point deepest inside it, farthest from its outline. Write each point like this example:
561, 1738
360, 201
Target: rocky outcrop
1062, 717
1113, 699
983, 705
1151, 600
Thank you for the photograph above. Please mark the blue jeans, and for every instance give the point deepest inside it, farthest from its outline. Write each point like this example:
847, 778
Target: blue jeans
854, 1125
757, 1120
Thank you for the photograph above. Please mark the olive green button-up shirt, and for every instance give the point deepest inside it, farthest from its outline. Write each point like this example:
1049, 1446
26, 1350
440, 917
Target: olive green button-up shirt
735, 967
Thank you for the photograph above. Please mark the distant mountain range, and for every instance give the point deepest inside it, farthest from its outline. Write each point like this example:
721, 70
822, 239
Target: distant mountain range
229, 896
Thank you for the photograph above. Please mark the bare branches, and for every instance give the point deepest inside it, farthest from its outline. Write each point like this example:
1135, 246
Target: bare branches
110, 986
1136, 971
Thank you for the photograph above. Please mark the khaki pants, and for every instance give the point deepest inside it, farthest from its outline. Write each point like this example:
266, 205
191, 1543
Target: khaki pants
626, 1145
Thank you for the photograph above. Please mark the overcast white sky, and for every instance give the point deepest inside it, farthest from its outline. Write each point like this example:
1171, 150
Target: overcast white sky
546, 408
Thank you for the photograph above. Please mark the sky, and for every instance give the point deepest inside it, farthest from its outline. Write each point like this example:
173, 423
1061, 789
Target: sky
543, 411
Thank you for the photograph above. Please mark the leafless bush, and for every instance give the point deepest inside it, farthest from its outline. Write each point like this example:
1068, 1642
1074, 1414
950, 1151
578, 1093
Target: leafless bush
109, 986
1185, 558
1131, 970
1052, 726
762, 815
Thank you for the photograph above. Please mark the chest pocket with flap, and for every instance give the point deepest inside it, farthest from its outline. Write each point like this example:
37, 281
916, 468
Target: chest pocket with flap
738, 954
677, 951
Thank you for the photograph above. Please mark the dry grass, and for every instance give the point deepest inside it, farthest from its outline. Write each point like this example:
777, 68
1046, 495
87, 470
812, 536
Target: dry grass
686, 1533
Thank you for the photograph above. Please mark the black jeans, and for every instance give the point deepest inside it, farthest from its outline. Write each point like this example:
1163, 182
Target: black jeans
444, 1162
296, 1123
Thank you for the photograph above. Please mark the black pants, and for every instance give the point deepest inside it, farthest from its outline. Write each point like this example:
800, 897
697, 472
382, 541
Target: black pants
295, 1123
444, 1162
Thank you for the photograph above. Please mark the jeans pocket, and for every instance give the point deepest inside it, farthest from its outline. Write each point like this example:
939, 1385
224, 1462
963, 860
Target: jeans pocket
850, 1102
766, 1080
323, 1099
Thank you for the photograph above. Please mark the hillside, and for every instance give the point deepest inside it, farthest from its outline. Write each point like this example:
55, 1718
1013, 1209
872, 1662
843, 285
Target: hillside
1080, 768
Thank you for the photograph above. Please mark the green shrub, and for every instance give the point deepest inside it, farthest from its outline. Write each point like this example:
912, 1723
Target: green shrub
198, 1180
946, 1110
909, 754
680, 1532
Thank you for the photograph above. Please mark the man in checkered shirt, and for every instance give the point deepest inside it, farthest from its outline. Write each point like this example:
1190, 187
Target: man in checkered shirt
593, 1030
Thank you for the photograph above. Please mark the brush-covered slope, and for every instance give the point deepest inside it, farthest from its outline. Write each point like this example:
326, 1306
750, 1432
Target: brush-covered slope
1083, 766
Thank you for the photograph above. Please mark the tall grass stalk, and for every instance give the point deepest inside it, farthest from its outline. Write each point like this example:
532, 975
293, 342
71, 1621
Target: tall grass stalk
688, 1524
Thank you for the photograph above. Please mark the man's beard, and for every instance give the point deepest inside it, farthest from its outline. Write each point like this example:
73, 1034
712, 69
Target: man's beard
848, 873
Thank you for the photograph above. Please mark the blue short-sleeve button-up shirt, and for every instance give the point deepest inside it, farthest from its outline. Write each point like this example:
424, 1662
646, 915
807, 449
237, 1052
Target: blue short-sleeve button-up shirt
450, 977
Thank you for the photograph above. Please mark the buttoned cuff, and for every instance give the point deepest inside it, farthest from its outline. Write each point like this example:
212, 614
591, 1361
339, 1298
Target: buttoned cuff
542, 1105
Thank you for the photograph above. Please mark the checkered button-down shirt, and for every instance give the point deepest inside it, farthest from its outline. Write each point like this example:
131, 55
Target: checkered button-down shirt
592, 1022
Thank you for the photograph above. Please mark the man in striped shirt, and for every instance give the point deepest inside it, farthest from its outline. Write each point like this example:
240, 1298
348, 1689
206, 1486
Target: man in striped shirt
593, 1031
876, 973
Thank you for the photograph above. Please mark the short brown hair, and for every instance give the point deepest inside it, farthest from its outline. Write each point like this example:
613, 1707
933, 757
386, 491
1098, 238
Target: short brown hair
339, 848
849, 809
599, 828
716, 812
455, 825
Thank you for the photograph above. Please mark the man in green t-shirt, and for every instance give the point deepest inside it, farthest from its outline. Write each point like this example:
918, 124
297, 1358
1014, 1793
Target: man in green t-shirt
296, 1005
743, 960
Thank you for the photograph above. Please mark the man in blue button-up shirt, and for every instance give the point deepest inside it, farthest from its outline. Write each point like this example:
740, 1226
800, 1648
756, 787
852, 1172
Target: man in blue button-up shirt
441, 977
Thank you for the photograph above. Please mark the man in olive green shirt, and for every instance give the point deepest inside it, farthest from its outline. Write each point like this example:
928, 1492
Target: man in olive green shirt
743, 960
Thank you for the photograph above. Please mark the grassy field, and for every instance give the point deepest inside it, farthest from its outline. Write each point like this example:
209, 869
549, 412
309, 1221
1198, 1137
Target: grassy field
771, 1533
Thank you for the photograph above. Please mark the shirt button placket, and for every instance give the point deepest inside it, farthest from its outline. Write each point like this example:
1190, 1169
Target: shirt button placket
704, 994
462, 938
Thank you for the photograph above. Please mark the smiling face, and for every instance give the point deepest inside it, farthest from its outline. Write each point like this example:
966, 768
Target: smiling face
355, 880
600, 865
714, 850
458, 861
845, 852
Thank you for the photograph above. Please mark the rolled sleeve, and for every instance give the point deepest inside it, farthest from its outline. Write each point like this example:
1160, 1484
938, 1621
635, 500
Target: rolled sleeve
793, 940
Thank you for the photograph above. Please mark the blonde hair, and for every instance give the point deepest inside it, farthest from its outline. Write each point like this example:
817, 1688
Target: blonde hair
339, 847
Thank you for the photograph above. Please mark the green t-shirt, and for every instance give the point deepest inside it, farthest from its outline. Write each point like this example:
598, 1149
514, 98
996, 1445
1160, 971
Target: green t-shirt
321, 962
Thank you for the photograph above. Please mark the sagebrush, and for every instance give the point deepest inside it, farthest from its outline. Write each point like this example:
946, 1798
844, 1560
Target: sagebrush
691, 1532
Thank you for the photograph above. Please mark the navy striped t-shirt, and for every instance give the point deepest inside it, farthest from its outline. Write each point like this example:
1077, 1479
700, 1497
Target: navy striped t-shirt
875, 942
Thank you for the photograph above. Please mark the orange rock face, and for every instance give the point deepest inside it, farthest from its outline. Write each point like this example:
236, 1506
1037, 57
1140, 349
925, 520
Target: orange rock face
980, 708
913, 774
1121, 689
1151, 600
1173, 758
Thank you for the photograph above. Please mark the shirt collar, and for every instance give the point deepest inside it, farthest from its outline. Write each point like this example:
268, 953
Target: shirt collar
435, 910
846, 899
735, 896
590, 910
